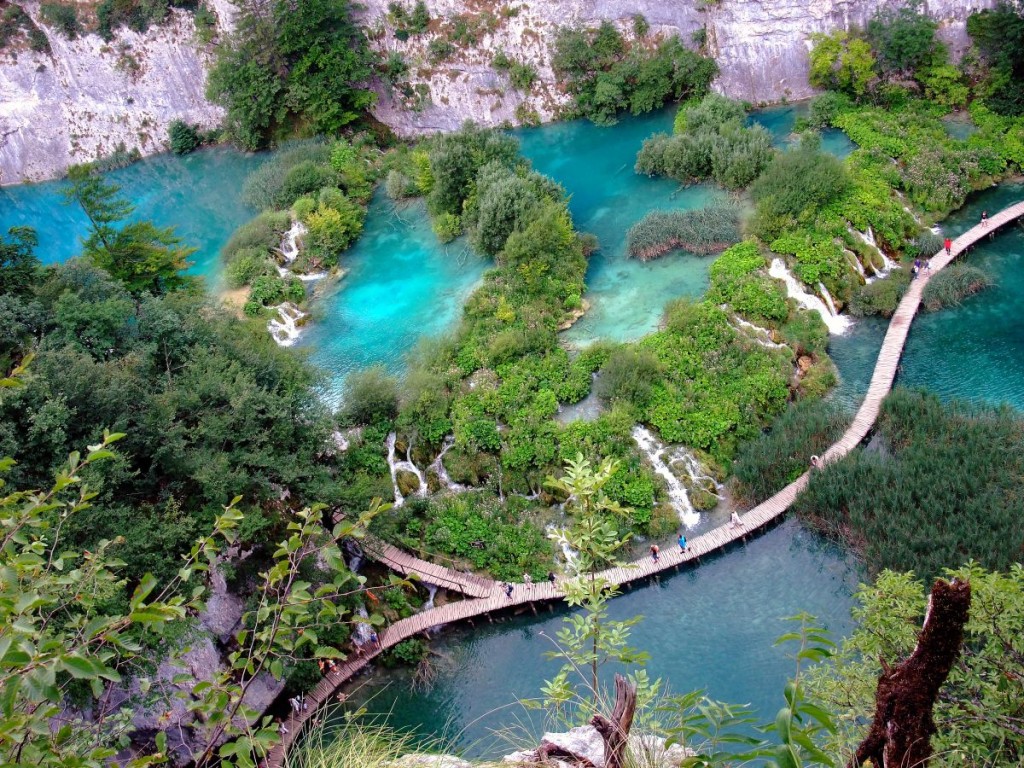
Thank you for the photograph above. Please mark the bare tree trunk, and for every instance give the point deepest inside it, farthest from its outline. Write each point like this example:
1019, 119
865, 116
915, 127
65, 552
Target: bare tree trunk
615, 731
900, 736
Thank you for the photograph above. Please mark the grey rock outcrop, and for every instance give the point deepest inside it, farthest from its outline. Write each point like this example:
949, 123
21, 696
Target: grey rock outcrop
87, 96
585, 741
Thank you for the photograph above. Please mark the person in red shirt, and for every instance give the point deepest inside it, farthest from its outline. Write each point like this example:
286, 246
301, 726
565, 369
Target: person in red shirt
949, 246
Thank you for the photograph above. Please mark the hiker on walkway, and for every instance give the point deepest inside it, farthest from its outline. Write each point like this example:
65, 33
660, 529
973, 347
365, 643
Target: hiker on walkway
682, 543
281, 727
734, 521
654, 552
293, 702
551, 577
984, 218
949, 246
527, 580
508, 591
374, 639
917, 267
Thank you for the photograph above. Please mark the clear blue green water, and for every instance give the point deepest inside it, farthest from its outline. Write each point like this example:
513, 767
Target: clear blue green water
711, 627
198, 195
974, 351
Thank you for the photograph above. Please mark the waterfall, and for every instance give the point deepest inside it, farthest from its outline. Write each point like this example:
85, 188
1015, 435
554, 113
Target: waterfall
362, 630
439, 469
355, 553
285, 327
795, 290
663, 459
756, 333
856, 263
431, 593
290, 242
396, 465
828, 299
559, 536
887, 264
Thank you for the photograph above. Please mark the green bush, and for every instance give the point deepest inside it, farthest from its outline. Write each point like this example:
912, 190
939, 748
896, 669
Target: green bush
184, 137
881, 297
629, 376
903, 39
825, 108
701, 230
806, 333
264, 231
399, 186
952, 285
63, 17
447, 227
944, 491
371, 396
410, 652
332, 229
246, 265
767, 464
266, 186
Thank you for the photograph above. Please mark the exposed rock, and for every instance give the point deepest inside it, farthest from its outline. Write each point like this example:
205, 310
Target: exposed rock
804, 363
408, 483
81, 100
223, 611
586, 742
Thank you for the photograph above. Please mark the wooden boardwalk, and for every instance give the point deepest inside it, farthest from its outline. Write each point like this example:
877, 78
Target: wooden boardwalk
487, 597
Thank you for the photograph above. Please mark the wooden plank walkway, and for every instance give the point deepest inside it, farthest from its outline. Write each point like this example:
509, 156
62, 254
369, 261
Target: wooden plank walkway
487, 596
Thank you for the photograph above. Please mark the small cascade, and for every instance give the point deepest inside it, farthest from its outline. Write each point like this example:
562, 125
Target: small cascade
290, 242
856, 263
431, 594
828, 299
442, 474
395, 466
570, 555
795, 290
355, 554
756, 333
662, 459
362, 630
887, 264
285, 327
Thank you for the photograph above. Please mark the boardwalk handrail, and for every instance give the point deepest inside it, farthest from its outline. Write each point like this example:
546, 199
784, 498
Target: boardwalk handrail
716, 539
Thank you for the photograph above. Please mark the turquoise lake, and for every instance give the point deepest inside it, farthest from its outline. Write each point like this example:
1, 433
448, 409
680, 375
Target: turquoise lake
709, 627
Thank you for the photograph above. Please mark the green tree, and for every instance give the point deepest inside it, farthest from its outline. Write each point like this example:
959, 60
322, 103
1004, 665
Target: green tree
841, 62
18, 263
144, 257
371, 395
903, 38
589, 639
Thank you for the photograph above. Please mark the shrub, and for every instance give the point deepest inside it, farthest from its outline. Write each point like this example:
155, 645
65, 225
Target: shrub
767, 464
439, 49
702, 230
63, 17
840, 62
903, 39
927, 244
264, 231
398, 186
246, 265
880, 297
447, 227
269, 186
944, 490
267, 290
371, 396
952, 285
825, 108
184, 137
806, 333
411, 651
629, 376
332, 229
640, 26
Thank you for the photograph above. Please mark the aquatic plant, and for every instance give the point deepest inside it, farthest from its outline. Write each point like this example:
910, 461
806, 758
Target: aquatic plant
881, 297
953, 284
702, 230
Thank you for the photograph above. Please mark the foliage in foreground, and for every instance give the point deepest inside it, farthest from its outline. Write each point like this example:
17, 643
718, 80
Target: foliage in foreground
979, 713
943, 489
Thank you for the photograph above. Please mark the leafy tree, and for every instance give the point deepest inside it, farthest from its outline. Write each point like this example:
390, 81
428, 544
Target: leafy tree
184, 137
841, 62
589, 639
18, 263
978, 714
144, 257
998, 34
903, 39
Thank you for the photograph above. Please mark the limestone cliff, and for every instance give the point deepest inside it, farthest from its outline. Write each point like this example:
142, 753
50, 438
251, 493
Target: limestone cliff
86, 96
760, 45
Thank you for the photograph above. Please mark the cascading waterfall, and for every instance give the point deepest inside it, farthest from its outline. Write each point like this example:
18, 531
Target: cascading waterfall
362, 631
431, 594
442, 474
856, 263
756, 333
290, 242
828, 299
662, 459
887, 264
407, 465
285, 328
837, 324
570, 555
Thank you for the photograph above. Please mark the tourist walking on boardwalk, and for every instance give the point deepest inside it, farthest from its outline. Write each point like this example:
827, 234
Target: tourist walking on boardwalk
551, 577
734, 521
984, 218
527, 580
682, 542
508, 591
949, 246
374, 640
654, 552
293, 702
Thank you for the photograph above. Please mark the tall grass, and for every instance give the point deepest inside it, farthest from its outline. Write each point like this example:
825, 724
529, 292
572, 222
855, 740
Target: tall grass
703, 230
944, 489
952, 285
350, 744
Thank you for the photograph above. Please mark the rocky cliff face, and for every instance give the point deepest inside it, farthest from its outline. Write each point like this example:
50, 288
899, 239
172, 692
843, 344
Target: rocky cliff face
761, 47
87, 96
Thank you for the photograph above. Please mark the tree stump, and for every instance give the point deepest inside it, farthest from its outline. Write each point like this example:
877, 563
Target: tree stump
615, 730
900, 735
